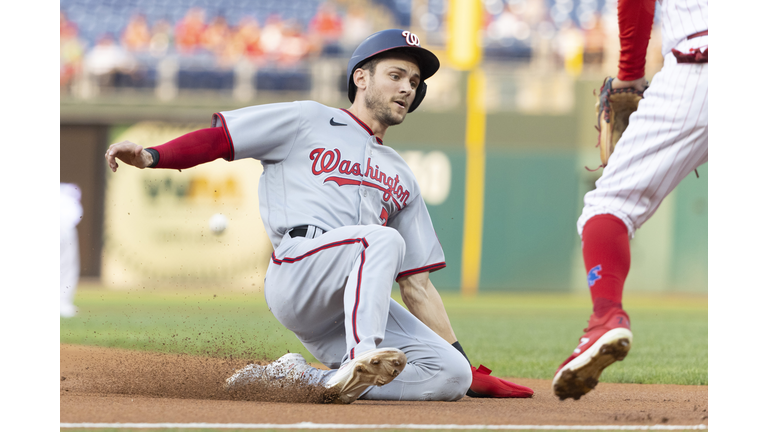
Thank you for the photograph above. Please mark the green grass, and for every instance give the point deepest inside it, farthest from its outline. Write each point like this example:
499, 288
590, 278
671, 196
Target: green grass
518, 335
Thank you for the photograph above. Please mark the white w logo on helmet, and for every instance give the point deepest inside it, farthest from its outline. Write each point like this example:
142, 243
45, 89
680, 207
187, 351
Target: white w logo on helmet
411, 39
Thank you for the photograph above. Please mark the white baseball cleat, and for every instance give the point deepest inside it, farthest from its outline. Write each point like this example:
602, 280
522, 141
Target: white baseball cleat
244, 376
290, 366
375, 367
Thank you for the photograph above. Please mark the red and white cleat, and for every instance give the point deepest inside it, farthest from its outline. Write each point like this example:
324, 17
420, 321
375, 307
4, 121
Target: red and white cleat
605, 341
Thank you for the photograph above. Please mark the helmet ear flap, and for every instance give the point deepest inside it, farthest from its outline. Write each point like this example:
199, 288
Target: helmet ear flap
421, 91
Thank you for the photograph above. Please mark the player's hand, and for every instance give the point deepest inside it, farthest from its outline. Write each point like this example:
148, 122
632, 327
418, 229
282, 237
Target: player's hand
639, 84
128, 152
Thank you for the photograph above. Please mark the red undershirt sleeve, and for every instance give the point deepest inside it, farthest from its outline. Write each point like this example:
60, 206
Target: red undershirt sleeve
194, 148
635, 22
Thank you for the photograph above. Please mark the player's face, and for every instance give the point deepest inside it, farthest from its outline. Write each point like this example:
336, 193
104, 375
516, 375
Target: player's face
392, 89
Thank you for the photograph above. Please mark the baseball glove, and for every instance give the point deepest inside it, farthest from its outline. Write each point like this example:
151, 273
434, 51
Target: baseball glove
614, 107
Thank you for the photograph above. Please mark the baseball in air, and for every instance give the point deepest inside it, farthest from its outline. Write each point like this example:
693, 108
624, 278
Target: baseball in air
218, 223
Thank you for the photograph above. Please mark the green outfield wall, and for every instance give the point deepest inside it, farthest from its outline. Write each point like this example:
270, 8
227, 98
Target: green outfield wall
534, 188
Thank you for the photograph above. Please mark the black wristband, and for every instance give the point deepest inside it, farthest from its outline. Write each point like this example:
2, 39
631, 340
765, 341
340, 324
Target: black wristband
457, 345
155, 156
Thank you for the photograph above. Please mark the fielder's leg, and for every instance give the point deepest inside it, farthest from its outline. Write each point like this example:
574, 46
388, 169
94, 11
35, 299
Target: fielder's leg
665, 141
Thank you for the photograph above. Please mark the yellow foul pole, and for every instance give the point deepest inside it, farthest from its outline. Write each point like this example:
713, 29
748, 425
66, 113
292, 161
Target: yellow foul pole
465, 53
475, 184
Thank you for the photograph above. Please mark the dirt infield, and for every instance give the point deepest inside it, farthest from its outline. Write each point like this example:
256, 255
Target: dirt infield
100, 385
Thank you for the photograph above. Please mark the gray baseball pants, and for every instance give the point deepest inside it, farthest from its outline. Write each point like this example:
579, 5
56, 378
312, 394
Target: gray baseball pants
334, 292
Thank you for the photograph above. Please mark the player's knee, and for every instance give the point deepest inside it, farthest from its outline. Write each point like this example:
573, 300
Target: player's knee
458, 376
388, 238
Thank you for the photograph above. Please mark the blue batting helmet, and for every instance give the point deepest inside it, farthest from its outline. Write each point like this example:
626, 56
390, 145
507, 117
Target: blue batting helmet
389, 40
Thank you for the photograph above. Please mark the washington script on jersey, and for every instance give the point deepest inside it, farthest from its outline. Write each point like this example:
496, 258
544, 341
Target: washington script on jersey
328, 161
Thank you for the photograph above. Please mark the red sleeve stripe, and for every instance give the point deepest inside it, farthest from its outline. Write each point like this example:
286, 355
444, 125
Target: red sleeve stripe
357, 298
226, 130
429, 268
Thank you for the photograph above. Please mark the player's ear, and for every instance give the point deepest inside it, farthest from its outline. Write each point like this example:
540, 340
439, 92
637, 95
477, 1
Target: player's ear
360, 78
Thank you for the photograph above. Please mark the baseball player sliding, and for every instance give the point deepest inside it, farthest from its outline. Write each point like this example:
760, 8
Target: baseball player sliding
666, 139
346, 218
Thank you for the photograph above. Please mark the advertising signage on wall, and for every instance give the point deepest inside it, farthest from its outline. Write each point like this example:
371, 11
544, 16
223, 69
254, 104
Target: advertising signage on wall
156, 227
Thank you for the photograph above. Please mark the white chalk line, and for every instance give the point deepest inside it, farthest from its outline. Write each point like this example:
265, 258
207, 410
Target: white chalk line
310, 425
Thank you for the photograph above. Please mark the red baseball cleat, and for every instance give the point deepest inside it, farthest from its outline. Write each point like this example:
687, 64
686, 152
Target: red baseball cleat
605, 341
486, 386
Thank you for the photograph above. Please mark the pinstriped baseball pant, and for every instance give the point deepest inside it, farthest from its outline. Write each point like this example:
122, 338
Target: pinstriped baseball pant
667, 138
334, 293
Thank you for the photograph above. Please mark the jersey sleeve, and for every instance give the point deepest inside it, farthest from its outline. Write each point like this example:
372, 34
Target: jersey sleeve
423, 251
635, 23
264, 132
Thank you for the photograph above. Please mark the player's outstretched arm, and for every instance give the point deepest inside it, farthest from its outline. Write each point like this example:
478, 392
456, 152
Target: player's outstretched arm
186, 151
129, 153
424, 302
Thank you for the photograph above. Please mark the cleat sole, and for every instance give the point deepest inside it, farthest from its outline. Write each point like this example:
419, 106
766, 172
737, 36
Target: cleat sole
377, 368
581, 375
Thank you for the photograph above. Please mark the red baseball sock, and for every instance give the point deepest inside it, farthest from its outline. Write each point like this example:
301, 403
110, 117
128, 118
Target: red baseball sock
605, 246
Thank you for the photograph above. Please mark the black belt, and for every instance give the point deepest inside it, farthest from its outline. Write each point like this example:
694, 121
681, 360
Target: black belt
301, 231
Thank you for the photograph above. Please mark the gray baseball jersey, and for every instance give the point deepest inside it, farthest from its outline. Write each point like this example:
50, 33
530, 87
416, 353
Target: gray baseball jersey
367, 226
324, 167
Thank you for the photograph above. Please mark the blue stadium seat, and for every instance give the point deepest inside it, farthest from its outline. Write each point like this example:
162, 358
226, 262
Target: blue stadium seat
144, 78
212, 79
283, 80
516, 51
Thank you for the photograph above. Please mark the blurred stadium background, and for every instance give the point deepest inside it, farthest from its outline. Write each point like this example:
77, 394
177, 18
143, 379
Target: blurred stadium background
149, 71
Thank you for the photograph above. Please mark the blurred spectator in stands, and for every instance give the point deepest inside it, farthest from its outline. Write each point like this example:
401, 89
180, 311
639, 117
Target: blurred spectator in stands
71, 50
570, 47
325, 29
162, 38
543, 33
107, 60
189, 31
271, 39
508, 26
509, 32
136, 35
66, 27
594, 43
356, 26
247, 37
295, 45
215, 36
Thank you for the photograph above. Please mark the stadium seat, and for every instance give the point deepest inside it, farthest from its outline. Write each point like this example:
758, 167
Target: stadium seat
283, 80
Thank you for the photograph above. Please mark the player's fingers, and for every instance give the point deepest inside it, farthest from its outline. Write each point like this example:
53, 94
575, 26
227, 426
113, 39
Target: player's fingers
112, 163
115, 152
110, 160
